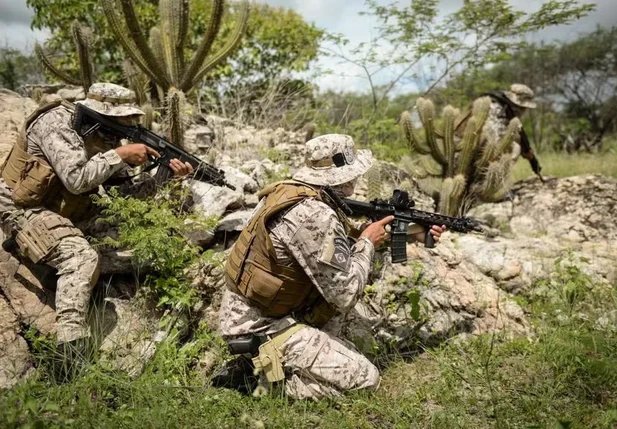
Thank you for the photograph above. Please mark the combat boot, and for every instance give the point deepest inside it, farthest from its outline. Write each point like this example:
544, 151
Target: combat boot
237, 374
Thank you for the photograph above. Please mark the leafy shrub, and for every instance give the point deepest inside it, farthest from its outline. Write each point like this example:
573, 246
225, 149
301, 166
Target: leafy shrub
155, 230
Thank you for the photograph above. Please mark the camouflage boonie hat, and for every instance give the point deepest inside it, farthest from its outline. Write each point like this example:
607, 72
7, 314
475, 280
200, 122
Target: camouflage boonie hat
333, 160
111, 100
521, 95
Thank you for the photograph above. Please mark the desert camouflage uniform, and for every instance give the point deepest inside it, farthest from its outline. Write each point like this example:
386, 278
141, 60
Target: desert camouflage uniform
317, 364
496, 126
81, 168
497, 122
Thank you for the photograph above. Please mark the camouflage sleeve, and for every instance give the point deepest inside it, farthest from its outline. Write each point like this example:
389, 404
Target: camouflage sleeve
66, 153
316, 238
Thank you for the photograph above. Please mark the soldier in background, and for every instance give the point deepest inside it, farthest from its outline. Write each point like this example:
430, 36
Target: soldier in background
45, 188
505, 106
293, 268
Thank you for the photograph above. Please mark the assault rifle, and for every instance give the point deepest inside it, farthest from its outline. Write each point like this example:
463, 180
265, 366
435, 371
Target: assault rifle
402, 208
87, 119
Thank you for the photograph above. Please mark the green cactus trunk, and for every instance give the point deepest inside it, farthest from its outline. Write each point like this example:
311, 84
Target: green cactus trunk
83, 42
174, 108
373, 178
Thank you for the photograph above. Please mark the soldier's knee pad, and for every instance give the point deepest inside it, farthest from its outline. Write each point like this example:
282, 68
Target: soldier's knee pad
42, 235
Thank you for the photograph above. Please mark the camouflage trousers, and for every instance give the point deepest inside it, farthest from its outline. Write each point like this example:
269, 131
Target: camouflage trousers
72, 256
320, 365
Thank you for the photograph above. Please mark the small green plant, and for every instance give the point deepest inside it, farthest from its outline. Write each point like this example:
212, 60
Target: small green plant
155, 231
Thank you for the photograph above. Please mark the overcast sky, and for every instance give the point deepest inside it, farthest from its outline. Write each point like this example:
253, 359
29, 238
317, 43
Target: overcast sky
338, 16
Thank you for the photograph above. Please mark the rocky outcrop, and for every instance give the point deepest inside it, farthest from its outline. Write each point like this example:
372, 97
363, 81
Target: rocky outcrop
13, 111
541, 223
14, 353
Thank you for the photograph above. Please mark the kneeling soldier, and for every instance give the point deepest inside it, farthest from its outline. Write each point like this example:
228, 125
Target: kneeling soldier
292, 269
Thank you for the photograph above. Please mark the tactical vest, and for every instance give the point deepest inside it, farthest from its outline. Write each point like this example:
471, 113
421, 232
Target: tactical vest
252, 268
33, 180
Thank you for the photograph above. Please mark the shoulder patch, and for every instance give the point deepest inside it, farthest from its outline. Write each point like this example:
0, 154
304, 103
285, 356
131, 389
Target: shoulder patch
337, 254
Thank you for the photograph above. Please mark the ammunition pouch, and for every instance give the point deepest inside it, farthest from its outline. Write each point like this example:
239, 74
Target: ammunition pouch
43, 234
29, 177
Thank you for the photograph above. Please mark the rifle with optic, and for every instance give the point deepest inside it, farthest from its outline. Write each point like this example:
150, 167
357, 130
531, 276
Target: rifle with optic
402, 208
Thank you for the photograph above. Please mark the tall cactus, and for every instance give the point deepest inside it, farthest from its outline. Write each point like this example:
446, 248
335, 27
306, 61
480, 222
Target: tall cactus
82, 37
162, 58
469, 165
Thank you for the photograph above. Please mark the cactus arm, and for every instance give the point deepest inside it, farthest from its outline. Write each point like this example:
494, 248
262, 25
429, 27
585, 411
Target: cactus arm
53, 69
445, 196
109, 7
137, 80
214, 26
156, 44
373, 177
141, 43
83, 43
494, 178
172, 15
513, 130
231, 45
149, 115
426, 109
412, 136
183, 30
481, 109
468, 146
449, 116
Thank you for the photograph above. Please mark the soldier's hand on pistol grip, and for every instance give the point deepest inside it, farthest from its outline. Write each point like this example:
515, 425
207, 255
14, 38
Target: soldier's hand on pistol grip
376, 231
136, 154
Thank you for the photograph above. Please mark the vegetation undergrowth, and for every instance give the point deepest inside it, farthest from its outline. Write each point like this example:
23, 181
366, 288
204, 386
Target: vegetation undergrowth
155, 229
564, 375
562, 164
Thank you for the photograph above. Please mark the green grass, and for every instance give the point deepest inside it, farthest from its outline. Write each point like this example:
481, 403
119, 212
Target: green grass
559, 164
566, 372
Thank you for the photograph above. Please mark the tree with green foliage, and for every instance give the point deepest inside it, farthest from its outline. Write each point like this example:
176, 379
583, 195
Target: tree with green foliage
417, 45
17, 69
277, 40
